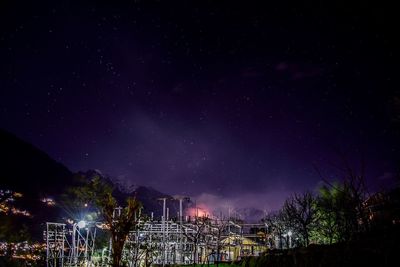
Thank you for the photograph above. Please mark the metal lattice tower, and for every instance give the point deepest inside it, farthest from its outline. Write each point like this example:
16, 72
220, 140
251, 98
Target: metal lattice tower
82, 248
164, 242
69, 247
56, 244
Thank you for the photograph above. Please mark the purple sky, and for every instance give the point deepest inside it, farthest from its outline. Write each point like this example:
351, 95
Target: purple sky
230, 103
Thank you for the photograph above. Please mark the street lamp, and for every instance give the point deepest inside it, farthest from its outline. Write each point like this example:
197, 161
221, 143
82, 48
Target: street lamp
81, 224
290, 238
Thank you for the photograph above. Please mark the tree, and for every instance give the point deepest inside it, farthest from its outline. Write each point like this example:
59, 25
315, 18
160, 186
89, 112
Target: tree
142, 252
276, 225
341, 205
355, 194
300, 213
119, 221
219, 228
194, 232
339, 213
328, 215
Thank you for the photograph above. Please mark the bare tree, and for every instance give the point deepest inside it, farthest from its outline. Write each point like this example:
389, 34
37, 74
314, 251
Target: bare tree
195, 234
142, 253
354, 184
300, 213
276, 225
219, 232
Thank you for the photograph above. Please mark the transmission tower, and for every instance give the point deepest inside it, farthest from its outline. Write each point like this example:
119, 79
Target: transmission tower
56, 244
70, 247
83, 240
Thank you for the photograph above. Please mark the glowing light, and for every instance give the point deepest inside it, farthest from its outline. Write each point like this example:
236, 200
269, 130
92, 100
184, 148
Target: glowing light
23, 250
4, 208
103, 226
17, 194
81, 224
48, 201
200, 211
20, 212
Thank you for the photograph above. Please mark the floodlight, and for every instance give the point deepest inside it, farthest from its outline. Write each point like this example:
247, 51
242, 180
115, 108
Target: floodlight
81, 224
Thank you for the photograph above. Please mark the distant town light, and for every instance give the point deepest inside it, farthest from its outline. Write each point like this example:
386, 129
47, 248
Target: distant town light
48, 201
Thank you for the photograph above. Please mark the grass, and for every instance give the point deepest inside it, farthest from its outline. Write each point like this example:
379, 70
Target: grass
211, 265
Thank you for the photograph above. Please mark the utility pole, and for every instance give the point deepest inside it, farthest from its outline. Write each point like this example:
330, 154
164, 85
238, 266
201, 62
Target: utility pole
164, 199
181, 199
229, 233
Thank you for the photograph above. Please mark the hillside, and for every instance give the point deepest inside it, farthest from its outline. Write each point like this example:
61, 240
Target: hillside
26, 168
29, 171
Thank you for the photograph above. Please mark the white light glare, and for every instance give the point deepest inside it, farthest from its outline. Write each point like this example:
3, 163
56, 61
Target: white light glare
81, 224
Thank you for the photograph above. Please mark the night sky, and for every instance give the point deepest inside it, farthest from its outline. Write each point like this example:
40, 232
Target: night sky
235, 103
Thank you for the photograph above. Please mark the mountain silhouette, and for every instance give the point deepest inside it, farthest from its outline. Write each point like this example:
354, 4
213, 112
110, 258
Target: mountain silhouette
28, 170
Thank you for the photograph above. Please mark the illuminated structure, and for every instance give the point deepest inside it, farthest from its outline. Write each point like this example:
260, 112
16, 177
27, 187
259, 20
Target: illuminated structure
200, 240
56, 244
83, 240
164, 242
66, 247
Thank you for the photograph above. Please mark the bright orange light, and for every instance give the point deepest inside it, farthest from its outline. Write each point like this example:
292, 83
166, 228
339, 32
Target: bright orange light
200, 211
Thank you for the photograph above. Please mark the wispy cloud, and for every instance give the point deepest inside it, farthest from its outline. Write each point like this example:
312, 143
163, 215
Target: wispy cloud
298, 71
